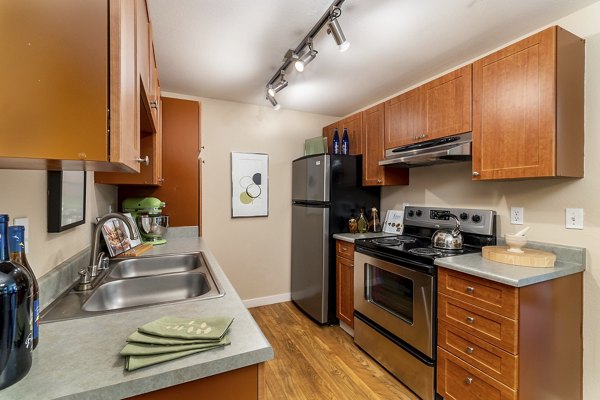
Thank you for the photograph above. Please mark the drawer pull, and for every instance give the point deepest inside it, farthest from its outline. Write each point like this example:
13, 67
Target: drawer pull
468, 380
470, 289
344, 249
469, 350
470, 320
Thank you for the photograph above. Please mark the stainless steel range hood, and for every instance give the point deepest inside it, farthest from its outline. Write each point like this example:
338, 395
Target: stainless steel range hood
432, 152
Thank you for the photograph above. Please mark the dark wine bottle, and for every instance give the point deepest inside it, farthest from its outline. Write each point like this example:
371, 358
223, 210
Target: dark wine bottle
16, 315
345, 142
16, 245
336, 142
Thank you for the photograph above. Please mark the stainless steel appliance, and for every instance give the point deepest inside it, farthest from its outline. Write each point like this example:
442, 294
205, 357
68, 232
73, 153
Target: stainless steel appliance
395, 284
430, 152
326, 191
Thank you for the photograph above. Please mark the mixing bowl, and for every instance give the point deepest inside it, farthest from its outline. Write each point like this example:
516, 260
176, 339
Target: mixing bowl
153, 227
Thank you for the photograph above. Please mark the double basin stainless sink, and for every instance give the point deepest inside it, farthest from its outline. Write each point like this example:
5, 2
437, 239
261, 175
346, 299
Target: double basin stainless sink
137, 282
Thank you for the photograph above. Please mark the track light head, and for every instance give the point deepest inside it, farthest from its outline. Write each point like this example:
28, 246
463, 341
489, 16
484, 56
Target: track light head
306, 58
277, 87
274, 103
334, 28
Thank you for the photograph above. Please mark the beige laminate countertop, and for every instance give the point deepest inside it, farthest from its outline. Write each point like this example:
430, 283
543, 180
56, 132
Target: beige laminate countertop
79, 358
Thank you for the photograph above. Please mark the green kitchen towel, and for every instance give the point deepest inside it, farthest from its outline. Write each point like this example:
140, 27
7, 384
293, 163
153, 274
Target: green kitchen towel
143, 349
187, 328
139, 337
136, 362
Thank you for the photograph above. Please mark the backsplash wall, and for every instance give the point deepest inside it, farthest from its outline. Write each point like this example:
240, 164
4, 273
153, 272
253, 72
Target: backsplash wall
24, 195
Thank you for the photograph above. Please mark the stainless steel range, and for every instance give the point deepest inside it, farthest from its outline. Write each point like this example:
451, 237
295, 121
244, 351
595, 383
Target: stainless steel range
395, 285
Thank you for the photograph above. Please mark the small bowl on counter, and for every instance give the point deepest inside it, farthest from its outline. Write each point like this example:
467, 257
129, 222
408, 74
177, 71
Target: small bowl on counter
515, 242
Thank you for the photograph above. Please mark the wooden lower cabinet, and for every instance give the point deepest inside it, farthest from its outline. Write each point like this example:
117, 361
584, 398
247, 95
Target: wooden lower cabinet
240, 384
498, 342
344, 266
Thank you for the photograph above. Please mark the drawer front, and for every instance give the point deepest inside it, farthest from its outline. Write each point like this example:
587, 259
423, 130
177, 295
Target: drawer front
491, 360
493, 296
457, 380
345, 249
493, 328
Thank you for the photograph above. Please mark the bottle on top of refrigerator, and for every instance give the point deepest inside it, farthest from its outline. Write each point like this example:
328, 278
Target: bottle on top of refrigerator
345, 142
336, 142
16, 245
16, 316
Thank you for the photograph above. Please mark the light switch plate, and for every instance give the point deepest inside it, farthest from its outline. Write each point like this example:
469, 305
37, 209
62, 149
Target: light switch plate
25, 222
574, 218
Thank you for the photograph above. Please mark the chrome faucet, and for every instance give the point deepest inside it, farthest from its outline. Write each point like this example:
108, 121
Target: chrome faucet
98, 260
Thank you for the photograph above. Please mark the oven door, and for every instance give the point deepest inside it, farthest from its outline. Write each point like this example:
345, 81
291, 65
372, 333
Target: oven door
397, 298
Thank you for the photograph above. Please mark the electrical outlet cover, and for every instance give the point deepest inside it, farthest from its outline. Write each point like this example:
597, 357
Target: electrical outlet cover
516, 215
574, 218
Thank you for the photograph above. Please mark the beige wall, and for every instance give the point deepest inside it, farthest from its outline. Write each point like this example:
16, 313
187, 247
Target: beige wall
544, 201
24, 195
254, 252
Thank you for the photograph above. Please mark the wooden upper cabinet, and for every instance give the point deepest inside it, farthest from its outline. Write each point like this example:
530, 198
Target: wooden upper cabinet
448, 102
143, 43
439, 108
404, 119
528, 108
54, 109
373, 129
353, 124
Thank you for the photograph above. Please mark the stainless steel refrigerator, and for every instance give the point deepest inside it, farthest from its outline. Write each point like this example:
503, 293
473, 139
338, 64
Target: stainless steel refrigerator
326, 192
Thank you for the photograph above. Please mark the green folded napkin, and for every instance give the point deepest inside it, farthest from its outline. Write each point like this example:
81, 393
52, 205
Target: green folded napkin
186, 328
139, 337
143, 349
135, 362
169, 338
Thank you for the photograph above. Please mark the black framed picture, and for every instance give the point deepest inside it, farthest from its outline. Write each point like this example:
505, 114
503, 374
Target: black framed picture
66, 200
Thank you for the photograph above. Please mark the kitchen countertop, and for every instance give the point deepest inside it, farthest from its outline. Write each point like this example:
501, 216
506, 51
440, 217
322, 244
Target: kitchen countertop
79, 358
569, 260
351, 237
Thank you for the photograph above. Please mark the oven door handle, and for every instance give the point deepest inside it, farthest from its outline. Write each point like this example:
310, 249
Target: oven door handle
429, 269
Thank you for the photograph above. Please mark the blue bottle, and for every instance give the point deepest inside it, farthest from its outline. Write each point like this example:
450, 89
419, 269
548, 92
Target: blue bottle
336, 142
16, 317
16, 240
345, 143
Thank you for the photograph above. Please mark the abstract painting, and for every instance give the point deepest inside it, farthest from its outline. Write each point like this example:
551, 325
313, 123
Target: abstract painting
249, 185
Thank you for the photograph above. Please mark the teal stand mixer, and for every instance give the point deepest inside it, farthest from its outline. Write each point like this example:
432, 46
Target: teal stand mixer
147, 213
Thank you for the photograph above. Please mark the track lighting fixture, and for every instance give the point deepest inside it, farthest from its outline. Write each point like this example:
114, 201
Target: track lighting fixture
300, 58
274, 103
277, 87
334, 28
306, 57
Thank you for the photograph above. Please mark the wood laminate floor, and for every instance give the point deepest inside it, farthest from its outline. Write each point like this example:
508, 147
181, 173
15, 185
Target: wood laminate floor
315, 362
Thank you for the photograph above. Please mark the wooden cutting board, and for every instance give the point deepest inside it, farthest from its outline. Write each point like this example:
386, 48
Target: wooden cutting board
136, 251
529, 257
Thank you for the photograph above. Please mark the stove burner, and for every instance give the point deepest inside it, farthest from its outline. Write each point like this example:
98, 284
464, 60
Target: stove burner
394, 241
425, 251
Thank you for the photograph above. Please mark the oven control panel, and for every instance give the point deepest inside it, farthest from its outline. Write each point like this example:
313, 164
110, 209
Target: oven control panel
477, 221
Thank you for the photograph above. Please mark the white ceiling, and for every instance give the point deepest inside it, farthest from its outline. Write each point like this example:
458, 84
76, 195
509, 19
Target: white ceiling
229, 49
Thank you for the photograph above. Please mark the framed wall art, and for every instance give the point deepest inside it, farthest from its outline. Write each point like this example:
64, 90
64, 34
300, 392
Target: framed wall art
66, 200
249, 185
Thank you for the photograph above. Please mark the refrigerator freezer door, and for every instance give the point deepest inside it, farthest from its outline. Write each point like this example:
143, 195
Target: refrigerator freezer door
310, 178
310, 260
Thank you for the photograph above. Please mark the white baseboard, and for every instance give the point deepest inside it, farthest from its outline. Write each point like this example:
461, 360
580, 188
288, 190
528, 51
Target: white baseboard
264, 301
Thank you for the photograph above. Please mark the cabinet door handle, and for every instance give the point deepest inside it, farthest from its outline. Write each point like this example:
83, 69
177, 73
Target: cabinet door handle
469, 350
470, 320
379, 181
468, 380
344, 249
154, 104
475, 173
143, 160
161, 180
470, 289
